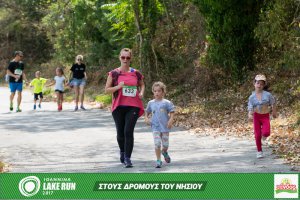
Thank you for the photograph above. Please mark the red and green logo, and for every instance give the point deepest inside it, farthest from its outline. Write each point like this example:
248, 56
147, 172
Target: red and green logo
286, 186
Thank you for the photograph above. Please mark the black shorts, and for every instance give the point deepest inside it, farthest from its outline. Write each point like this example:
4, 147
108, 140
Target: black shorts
59, 91
36, 96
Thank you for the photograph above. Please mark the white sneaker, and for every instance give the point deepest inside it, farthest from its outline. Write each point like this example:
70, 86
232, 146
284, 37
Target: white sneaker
259, 154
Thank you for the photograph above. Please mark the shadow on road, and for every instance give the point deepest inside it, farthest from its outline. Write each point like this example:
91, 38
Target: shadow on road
49, 121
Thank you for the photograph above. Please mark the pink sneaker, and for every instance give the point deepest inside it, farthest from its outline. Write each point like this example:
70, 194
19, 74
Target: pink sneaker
59, 108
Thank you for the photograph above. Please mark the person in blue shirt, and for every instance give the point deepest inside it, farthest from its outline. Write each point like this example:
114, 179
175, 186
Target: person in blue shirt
162, 117
259, 104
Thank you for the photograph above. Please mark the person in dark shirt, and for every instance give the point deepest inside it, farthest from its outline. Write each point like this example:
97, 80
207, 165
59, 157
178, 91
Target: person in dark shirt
79, 81
15, 71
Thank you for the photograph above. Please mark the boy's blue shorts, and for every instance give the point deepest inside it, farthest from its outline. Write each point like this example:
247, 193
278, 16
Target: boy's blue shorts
15, 87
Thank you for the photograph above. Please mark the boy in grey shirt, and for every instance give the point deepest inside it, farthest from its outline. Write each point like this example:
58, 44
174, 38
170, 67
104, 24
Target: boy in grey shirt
162, 116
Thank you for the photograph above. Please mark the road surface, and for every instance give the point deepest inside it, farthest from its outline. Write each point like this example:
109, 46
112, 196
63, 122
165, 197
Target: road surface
50, 141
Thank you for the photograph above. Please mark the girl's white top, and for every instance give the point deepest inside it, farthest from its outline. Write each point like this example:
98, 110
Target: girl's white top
59, 83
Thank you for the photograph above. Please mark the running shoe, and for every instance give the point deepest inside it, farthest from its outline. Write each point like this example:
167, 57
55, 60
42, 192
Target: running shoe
122, 157
11, 107
259, 154
76, 108
82, 108
59, 108
158, 164
167, 157
127, 163
18, 110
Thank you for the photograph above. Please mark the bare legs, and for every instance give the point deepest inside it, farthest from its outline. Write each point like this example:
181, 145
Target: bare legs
79, 96
19, 99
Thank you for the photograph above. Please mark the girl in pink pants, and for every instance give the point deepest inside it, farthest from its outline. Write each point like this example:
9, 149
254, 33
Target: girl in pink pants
259, 105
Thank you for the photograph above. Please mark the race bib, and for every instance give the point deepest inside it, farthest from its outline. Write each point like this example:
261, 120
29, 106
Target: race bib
129, 91
18, 72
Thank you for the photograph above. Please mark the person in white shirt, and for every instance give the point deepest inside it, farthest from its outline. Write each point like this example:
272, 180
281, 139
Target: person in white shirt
60, 82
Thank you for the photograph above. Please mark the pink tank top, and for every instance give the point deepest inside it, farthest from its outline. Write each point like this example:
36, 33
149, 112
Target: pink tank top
130, 79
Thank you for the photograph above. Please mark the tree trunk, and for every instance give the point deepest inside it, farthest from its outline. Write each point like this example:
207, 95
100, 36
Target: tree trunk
136, 9
145, 13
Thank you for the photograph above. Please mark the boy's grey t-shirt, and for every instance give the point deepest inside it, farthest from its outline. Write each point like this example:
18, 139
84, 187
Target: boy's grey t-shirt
160, 117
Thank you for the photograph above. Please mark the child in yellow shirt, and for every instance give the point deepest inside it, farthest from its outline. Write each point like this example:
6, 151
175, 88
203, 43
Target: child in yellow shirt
38, 85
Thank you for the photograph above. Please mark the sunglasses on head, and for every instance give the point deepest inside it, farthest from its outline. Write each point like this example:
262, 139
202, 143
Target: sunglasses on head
127, 58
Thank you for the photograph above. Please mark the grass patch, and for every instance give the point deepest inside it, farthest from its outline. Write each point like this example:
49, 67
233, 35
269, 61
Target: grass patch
68, 98
2, 165
47, 91
106, 99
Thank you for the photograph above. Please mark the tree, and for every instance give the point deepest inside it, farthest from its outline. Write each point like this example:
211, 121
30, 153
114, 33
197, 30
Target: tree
278, 33
79, 27
146, 15
230, 26
136, 21
21, 29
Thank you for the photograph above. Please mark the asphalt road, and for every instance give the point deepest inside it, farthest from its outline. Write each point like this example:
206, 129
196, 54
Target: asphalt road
46, 140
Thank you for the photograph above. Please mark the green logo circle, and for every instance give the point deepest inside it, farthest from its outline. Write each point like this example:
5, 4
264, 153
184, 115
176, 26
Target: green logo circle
29, 186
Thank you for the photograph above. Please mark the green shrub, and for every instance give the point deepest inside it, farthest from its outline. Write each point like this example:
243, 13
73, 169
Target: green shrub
47, 91
2, 165
281, 87
106, 99
230, 26
298, 107
278, 34
68, 98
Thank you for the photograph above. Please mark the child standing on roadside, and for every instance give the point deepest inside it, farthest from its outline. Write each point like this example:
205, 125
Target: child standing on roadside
60, 82
162, 116
258, 111
38, 85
